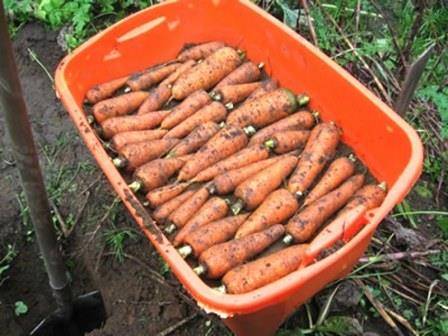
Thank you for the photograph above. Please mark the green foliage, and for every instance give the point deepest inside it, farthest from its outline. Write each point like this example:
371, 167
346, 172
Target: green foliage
341, 326
116, 238
20, 308
5, 262
438, 96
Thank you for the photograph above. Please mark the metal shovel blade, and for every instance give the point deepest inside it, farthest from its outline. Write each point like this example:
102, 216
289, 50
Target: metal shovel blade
89, 313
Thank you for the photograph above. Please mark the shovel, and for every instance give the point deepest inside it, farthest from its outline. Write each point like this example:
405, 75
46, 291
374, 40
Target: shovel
74, 316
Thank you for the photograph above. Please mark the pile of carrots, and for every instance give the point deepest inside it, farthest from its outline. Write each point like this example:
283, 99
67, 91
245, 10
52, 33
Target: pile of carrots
235, 169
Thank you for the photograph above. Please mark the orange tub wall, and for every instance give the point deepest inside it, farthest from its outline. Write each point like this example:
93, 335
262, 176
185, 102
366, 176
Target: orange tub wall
379, 137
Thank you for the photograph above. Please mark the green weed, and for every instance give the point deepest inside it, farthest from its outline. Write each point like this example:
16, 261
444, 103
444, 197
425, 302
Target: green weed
115, 238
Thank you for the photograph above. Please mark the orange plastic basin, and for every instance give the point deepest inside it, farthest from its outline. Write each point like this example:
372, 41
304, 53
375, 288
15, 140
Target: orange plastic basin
385, 143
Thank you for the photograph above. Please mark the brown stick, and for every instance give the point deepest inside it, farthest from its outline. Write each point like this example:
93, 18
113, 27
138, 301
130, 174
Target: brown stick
309, 21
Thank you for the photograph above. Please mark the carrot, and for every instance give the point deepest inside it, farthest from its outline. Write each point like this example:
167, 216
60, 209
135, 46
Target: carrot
121, 139
163, 211
240, 159
266, 109
303, 225
212, 112
198, 137
163, 194
183, 68
235, 93
156, 99
318, 151
267, 86
371, 196
134, 155
263, 271
227, 141
215, 208
148, 78
200, 51
338, 171
206, 74
187, 209
156, 173
276, 208
186, 108
118, 106
245, 73
256, 188
105, 90
211, 234
113, 126
218, 259
298, 121
286, 141
227, 182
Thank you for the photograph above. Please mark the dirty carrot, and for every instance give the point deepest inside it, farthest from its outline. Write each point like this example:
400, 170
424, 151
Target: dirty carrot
276, 208
227, 182
118, 106
235, 93
226, 142
263, 271
319, 149
286, 141
215, 208
163, 194
119, 140
148, 78
113, 126
200, 51
240, 159
267, 86
302, 226
266, 109
206, 74
253, 191
198, 137
105, 90
156, 99
211, 234
219, 259
163, 211
245, 73
370, 195
134, 155
186, 108
183, 68
187, 209
215, 112
338, 171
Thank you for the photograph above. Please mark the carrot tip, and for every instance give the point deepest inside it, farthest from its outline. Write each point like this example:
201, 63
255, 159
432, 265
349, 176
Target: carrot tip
135, 186
146, 204
221, 289
241, 53
185, 251
316, 116
260, 65
237, 207
200, 270
120, 162
229, 106
127, 89
90, 119
352, 157
171, 154
383, 185
288, 239
249, 130
270, 144
211, 189
299, 194
170, 228
303, 100
222, 124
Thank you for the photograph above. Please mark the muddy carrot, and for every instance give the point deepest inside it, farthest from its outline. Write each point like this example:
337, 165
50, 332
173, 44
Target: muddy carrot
200, 51
226, 142
105, 90
263, 271
198, 137
163, 211
219, 259
183, 68
235, 93
156, 99
245, 73
266, 109
302, 226
240, 159
186, 108
286, 141
338, 171
121, 139
150, 77
134, 155
163, 194
276, 208
253, 191
118, 106
267, 86
319, 149
227, 182
215, 208
371, 196
215, 112
113, 126
206, 74
187, 209
301, 120
211, 234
